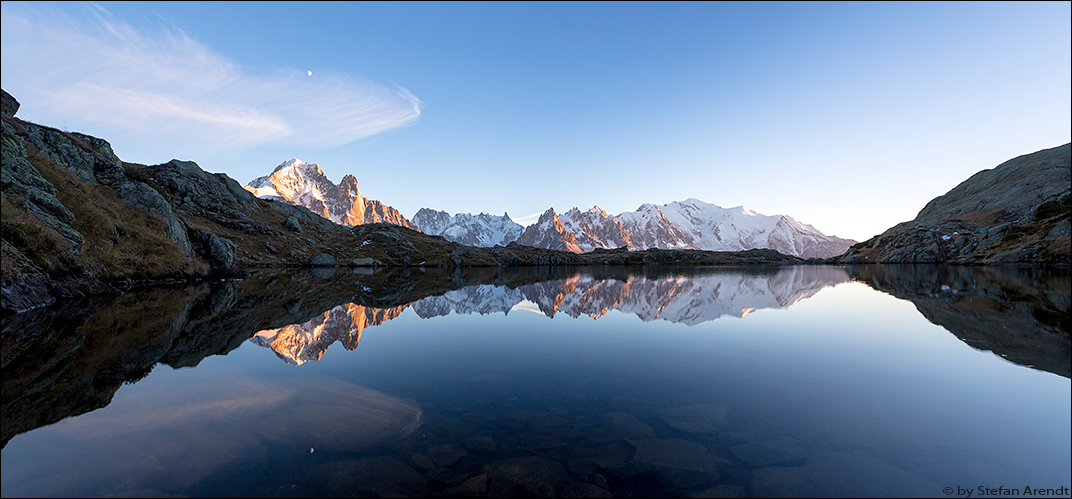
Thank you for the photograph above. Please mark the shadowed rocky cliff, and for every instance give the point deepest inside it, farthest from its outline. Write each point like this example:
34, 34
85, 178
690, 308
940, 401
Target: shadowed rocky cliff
1015, 213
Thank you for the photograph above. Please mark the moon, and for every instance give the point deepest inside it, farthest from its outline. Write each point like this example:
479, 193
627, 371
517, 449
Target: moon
310, 73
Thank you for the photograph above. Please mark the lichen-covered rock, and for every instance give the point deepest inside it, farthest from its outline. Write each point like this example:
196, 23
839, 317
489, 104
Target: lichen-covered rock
216, 197
219, 252
93, 160
300, 213
26, 289
321, 260
292, 224
21, 181
60, 149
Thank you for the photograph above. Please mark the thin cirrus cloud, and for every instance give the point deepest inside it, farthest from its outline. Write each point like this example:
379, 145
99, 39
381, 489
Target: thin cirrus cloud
98, 69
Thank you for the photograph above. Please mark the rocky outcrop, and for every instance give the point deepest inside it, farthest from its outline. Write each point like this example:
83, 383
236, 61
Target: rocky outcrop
77, 217
219, 251
8, 105
22, 181
92, 159
377, 212
1017, 212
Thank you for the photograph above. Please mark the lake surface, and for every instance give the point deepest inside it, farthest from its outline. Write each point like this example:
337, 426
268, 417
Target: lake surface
796, 381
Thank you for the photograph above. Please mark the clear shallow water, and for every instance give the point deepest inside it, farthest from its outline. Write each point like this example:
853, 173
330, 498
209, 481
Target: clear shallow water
802, 381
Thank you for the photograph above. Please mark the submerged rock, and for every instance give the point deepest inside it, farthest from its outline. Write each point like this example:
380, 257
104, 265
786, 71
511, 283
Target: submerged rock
445, 455
525, 476
370, 477
482, 444
705, 419
473, 487
677, 462
834, 474
768, 452
584, 490
624, 425
720, 491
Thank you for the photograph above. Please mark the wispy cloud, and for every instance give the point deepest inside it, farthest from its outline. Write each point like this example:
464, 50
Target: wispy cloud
95, 68
528, 220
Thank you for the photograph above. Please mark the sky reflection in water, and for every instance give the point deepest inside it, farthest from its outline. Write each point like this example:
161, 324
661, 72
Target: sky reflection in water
827, 387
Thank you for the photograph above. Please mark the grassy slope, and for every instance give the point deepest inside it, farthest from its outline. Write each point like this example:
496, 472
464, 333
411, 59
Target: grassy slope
120, 240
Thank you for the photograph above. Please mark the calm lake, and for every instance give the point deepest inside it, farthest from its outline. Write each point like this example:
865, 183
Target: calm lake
601, 382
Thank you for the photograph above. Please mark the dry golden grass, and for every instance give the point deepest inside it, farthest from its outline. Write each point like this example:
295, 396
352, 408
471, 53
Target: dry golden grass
120, 240
36, 240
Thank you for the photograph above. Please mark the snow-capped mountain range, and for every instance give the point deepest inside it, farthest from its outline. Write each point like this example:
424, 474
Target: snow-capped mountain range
305, 184
675, 298
689, 224
480, 230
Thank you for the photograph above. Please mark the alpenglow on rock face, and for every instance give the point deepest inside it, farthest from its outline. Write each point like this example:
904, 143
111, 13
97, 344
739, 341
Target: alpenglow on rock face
463, 228
305, 184
299, 343
689, 224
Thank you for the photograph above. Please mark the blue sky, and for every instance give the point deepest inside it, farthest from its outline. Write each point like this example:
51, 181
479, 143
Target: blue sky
849, 117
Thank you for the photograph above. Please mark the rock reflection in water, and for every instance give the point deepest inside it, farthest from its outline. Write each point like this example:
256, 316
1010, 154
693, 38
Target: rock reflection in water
1020, 314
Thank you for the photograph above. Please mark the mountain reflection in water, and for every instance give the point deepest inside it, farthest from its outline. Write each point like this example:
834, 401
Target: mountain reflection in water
849, 392
679, 298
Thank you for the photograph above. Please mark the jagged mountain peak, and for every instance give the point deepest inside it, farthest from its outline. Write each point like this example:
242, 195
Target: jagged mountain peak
300, 166
483, 229
548, 216
305, 184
